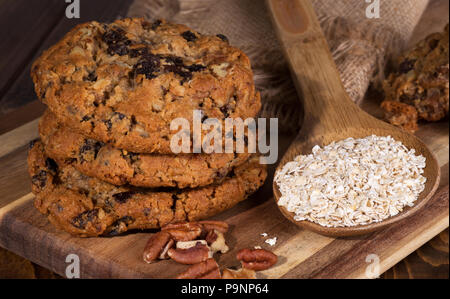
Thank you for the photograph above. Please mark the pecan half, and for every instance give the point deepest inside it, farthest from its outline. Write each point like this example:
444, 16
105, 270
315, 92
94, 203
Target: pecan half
242, 273
183, 231
208, 225
156, 246
216, 241
256, 259
204, 270
191, 253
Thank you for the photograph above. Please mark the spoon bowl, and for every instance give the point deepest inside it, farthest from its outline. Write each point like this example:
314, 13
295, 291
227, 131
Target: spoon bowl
330, 115
304, 147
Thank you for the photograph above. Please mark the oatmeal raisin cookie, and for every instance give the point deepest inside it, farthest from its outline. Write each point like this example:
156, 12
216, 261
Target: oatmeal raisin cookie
123, 83
421, 82
120, 167
87, 207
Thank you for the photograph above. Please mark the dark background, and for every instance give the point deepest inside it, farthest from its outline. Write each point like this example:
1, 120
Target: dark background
27, 27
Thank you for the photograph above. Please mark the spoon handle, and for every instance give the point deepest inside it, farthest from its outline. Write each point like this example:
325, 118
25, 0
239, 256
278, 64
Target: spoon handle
326, 103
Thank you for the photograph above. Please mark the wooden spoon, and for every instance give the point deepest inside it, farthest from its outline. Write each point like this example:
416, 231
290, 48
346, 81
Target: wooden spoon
330, 115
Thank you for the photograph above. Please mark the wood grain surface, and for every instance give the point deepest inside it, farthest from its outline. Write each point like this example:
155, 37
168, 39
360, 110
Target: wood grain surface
303, 254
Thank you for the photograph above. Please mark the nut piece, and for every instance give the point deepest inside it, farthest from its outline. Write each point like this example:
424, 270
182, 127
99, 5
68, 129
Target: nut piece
216, 241
190, 244
191, 255
242, 273
164, 255
204, 270
208, 225
183, 231
156, 246
256, 259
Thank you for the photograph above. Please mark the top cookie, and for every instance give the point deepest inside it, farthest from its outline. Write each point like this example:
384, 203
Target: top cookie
123, 83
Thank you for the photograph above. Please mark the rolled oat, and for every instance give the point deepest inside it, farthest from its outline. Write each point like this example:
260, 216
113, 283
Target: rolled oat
272, 241
352, 182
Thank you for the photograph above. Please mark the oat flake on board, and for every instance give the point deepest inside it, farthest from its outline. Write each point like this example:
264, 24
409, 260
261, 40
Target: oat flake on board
352, 182
272, 241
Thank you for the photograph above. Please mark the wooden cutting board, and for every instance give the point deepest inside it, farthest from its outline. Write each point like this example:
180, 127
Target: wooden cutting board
302, 254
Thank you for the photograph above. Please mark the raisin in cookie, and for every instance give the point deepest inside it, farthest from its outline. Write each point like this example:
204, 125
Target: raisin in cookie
123, 83
119, 167
86, 206
421, 82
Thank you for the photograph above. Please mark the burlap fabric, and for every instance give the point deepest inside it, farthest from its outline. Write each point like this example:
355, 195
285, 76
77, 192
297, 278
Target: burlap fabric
360, 46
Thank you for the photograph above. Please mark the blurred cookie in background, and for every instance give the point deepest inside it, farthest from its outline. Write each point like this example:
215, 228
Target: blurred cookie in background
419, 89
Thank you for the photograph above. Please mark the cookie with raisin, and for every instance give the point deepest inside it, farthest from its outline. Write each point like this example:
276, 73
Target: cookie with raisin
120, 167
421, 81
88, 207
124, 83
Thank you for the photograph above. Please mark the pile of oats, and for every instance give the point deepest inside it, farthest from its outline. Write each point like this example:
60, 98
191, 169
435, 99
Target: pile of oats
352, 182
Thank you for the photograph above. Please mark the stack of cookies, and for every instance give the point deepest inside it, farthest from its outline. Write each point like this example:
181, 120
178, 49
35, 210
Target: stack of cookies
104, 163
